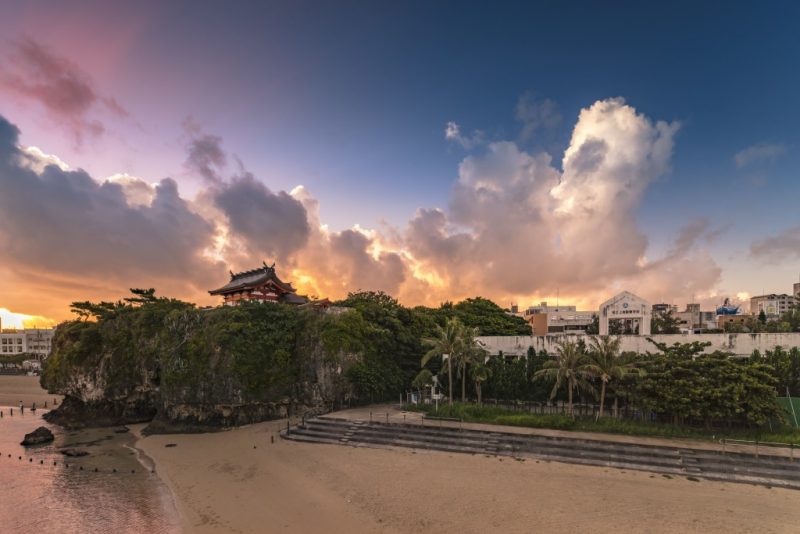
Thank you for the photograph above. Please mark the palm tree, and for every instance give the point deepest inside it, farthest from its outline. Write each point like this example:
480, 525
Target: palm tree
568, 368
470, 353
604, 363
480, 374
447, 341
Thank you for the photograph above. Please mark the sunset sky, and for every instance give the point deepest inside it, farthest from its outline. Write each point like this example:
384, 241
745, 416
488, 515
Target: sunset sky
433, 150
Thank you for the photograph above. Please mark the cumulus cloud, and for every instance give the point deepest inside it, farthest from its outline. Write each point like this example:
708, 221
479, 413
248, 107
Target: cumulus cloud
65, 225
138, 192
785, 245
335, 263
452, 132
759, 152
271, 224
33, 158
517, 227
33, 72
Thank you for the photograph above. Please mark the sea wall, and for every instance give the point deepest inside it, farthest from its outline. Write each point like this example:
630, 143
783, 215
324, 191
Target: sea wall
739, 344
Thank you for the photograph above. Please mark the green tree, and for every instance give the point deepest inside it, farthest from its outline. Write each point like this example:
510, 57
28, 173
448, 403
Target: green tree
489, 318
480, 374
762, 317
680, 350
605, 364
449, 341
665, 323
568, 369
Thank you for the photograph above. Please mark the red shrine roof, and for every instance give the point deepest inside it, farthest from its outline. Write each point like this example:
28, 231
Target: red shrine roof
263, 276
254, 278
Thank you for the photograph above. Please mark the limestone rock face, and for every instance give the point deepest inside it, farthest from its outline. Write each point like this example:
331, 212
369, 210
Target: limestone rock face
38, 436
187, 370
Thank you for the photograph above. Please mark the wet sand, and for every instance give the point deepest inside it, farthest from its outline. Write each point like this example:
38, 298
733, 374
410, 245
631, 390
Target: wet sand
15, 388
111, 489
223, 484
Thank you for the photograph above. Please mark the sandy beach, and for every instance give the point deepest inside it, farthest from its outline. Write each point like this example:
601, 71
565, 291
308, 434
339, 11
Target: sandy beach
15, 388
223, 484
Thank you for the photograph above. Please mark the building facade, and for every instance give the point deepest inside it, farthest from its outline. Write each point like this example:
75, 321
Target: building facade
634, 311
693, 320
34, 341
773, 305
561, 322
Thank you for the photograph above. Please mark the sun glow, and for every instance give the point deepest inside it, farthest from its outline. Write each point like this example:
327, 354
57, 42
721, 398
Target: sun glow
10, 319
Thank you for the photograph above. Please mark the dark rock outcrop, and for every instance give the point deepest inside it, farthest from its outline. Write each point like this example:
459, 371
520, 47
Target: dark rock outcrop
74, 453
74, 413
38, 436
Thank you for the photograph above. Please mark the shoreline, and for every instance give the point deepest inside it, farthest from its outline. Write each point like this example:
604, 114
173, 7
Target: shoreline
168, 490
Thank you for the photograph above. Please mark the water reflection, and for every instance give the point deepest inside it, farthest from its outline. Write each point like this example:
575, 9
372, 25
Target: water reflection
47, 491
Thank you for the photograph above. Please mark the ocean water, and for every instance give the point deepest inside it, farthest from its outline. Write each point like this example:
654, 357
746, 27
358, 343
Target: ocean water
41, 490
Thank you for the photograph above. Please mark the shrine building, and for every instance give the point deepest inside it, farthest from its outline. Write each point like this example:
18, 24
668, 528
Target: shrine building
262, 285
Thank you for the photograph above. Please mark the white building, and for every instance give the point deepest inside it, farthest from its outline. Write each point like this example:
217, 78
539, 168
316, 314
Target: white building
12, 343
38, 341
634, 311
741, 345
772, 305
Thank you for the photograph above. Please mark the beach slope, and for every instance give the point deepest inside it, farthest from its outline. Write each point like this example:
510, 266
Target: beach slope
223, 484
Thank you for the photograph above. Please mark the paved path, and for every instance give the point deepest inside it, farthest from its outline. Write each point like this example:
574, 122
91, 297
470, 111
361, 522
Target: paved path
392, 414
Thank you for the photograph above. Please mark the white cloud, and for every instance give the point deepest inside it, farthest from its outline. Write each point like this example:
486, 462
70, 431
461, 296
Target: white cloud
528, 229
759, 152
452, 132
35, 159
138, 192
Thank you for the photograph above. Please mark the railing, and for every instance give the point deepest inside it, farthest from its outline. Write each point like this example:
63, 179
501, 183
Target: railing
458, 420
386, 414
725, 441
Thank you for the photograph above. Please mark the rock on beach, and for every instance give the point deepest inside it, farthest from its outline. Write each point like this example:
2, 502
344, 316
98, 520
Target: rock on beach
38, 436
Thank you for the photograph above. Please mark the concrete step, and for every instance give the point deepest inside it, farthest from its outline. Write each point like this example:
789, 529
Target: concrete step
737, 467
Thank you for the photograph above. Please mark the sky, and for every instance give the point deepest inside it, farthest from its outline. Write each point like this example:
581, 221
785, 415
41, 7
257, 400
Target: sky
433, 150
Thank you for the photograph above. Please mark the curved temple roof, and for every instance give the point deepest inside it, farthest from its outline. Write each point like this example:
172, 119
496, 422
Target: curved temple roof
253, 278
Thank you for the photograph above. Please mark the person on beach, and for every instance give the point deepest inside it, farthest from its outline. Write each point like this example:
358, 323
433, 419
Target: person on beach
21, 408
33, 408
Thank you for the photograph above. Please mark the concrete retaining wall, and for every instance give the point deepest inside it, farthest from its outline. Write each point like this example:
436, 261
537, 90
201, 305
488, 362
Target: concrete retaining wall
739, 344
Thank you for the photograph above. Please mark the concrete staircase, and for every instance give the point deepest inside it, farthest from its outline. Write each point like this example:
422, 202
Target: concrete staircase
766, 470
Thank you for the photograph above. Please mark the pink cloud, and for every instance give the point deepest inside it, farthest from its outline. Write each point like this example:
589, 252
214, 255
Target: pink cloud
60, 87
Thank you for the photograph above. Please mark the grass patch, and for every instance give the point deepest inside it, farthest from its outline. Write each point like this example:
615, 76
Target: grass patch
502, 416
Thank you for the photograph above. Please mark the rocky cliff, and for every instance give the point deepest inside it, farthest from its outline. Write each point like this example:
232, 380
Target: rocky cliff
187, 369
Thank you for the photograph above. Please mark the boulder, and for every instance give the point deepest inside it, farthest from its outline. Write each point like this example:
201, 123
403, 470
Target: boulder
74, 452
40, 435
